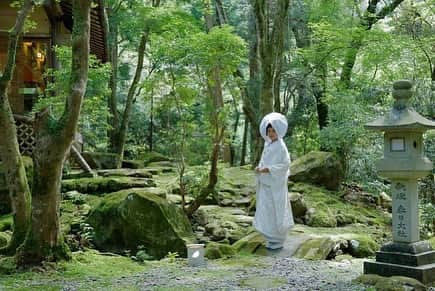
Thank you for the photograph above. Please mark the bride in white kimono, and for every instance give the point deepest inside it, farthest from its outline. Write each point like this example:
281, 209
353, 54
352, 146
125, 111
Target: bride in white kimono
273, 215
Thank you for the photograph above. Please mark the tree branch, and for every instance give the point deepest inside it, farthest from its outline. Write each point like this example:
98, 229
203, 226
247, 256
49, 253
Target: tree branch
13, 40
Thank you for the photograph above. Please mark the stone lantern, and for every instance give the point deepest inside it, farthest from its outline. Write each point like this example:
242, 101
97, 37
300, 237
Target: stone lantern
403, 163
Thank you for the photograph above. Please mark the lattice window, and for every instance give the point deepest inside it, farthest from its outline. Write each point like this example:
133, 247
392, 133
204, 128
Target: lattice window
26, 137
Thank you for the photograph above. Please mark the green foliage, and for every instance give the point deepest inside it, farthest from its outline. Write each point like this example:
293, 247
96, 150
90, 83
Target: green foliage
306, 136
172, 256
345, 130
93, 120
427, 220
195, 179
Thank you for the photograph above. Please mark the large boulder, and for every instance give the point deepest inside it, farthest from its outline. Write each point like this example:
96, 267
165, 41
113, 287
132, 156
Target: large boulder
134, 218
319, 168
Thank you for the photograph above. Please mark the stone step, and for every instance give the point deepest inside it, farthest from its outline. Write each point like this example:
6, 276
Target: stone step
424, 258
425, 273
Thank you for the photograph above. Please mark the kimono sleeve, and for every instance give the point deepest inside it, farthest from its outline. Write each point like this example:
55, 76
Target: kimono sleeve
280, 168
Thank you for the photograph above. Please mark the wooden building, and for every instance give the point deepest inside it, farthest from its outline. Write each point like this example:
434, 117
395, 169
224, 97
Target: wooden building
53, 27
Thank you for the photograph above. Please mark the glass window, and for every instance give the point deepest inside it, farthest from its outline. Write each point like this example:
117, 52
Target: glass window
28, 81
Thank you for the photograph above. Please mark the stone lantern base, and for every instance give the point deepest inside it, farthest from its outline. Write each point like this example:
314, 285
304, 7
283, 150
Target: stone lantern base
414, 260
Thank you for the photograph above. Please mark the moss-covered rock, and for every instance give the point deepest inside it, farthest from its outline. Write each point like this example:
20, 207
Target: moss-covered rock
315, 248
362, 246
432, 242
223, 222
320, 216
216, 250
299, 207
320, 168
151, 157
101, 160
101, 185
4, 239
253, 243
331, 204
394, 283
131, 218
132, 164
139, 173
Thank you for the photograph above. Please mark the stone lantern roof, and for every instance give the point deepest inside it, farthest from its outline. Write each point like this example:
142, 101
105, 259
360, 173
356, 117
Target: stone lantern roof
401, 116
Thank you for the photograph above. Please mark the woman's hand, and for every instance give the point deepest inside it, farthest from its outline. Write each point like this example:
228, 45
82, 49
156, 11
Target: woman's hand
259, 170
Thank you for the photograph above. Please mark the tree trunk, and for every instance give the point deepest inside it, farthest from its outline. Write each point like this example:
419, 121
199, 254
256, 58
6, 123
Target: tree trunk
234, 133
112, 33
121, 135
249, 91
16, 179
44, 241
271, 31
244, 142
151, 141
120, 124
319, 89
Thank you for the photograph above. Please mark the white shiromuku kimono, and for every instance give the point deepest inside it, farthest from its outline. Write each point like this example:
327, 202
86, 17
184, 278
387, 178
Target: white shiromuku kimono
273, 215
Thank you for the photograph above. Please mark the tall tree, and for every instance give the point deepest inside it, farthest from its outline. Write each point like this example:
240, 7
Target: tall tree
271, 23
9, 151
119, 121
311, 80
375, 11
214, 90
44, 241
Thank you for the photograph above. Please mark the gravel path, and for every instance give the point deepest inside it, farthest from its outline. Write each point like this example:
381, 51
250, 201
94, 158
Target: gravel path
260, 273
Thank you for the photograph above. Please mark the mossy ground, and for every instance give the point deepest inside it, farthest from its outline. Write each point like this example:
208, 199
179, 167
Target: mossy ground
86, 271
93, 270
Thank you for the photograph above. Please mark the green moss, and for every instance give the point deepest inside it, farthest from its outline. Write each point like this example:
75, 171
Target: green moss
252, 243
432, 242
315, 248
151, 157
131, 218
367, 245
6, 222
4, 239
86, 271
7, 266
322, 217
33, 252
102, 185
216, 250
330, 202
394, 283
